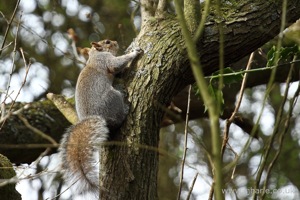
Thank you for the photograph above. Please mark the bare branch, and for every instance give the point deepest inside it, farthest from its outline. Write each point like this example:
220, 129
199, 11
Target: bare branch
147, 10
13, 61
185, 142
9, 24
192, 187
37, 131
286, 126
161, 8
208, 100
232, 117
268, 90
65, 107
27, 67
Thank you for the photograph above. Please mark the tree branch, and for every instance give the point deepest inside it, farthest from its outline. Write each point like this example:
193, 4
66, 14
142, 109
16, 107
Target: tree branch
42, 115
147, 10
161, 8
192, 14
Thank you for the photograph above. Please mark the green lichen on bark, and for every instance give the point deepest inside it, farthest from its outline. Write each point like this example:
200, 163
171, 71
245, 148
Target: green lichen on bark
42, 115
8, 191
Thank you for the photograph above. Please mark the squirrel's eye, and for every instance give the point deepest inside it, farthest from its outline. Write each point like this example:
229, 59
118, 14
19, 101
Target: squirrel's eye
107, 42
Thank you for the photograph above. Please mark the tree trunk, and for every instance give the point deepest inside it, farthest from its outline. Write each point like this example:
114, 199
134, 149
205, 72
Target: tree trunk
130, 168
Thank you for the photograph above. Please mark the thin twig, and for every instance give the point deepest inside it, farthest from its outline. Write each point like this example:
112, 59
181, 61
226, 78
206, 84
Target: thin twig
16, 179
3, 110
209, 101
37, 131
13, 60
185, 142
235, 157
286, 126
6, 46
268, 90
5, 117
11, 73
211, 191
259, 69
191, 131
232, 117
192, 187
43, 154
27, 67
27, 146
9, 25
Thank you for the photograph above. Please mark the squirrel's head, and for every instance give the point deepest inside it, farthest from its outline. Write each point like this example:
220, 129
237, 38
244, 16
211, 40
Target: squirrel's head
106, 46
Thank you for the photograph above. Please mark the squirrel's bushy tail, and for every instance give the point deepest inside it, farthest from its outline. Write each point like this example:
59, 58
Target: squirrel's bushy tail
79, 152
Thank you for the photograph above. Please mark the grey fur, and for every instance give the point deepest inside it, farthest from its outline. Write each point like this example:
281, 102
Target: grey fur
95, 94
99, 106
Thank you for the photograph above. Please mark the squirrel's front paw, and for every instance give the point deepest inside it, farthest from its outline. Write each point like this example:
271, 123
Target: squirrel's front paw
138, 50
134, 48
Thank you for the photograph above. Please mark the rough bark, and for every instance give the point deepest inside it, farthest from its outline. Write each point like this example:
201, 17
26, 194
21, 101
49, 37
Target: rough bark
22, 145
130, 170
7, 189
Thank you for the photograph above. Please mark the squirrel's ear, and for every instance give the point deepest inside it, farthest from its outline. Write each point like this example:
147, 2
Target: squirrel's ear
97, 46
94, 44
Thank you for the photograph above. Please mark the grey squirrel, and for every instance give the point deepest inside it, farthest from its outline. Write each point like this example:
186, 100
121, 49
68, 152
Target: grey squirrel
100, 109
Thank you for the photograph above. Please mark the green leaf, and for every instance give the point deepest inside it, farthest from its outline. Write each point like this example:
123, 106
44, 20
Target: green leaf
217, 96
284, 54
